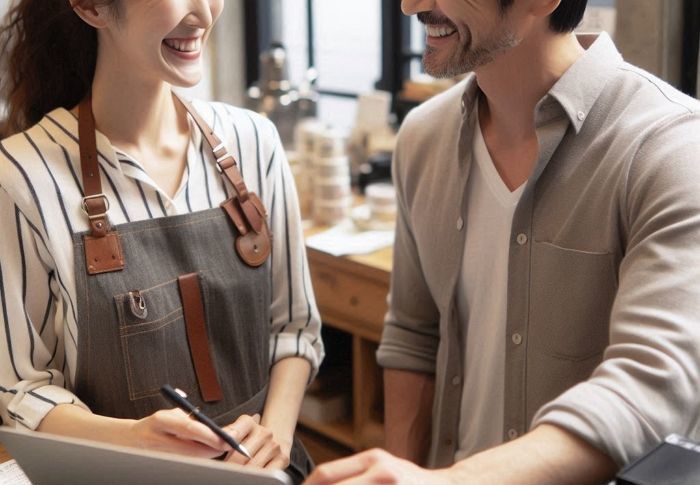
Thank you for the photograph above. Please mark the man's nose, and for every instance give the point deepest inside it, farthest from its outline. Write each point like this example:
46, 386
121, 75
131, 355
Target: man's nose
412, 7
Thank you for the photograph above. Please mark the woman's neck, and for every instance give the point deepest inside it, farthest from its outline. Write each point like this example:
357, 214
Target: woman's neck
137, 115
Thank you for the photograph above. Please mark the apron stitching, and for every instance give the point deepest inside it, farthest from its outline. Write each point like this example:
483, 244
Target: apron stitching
124, 329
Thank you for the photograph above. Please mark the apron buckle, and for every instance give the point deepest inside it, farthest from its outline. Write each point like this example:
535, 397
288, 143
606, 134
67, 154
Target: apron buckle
88, 209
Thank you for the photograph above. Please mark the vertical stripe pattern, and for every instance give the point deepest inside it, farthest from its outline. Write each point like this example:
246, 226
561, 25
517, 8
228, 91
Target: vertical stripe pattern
40, 209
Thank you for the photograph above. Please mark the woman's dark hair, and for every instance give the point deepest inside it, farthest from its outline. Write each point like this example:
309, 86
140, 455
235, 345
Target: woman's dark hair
565, 18
48, 57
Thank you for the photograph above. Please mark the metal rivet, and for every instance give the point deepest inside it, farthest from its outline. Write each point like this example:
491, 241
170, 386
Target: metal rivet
581, 115
98, 225
522, 239
456, 380
517, 339
512, 434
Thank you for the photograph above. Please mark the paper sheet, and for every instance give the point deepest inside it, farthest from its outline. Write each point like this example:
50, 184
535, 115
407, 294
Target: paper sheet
345, 239
12, 474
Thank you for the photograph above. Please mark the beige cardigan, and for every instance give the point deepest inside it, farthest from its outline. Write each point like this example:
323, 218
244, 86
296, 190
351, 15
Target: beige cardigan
603, 326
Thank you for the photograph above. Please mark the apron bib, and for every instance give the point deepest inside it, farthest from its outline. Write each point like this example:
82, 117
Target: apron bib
141, 326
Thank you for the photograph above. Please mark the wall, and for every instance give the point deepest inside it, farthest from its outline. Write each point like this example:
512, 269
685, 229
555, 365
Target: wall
649, 35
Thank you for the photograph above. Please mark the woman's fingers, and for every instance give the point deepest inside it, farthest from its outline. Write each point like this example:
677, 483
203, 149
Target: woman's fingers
258, 440
173, 431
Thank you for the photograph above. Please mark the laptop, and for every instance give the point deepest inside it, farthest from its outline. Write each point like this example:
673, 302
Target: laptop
49, 459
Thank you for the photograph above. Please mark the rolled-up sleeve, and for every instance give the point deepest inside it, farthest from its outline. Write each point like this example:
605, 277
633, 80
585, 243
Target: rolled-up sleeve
648, 385
31, 381
411, 328
296, 322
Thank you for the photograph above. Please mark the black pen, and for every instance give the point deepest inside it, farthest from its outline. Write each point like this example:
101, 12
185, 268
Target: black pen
179, 399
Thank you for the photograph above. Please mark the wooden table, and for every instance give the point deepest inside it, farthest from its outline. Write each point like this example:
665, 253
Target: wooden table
4, 456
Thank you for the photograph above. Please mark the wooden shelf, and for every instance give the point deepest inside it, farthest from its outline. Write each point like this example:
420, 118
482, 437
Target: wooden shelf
351, 294
340, 431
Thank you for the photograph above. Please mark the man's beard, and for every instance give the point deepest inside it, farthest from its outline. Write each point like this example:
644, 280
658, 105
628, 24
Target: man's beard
467, 57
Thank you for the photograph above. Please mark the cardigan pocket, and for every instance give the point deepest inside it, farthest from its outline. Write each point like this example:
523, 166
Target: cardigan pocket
572, 293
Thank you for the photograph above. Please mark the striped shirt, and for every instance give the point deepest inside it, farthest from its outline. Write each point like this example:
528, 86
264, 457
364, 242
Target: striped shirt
40, 199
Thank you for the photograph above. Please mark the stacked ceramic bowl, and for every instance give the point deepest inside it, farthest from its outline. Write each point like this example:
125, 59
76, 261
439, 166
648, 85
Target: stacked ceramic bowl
307, 131
332, 195
381, 199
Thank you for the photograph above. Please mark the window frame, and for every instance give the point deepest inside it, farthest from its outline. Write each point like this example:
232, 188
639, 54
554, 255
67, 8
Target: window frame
396, 52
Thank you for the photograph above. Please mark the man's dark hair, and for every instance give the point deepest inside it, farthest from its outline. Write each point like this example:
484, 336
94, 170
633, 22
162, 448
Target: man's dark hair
565, 18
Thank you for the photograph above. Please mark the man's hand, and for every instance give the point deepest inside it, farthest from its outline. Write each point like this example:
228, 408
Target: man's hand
375, 466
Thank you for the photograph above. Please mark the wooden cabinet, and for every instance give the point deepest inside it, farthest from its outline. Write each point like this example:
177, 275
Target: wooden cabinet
351, 294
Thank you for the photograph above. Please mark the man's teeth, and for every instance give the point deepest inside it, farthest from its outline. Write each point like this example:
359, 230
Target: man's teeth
439, 30
190, 45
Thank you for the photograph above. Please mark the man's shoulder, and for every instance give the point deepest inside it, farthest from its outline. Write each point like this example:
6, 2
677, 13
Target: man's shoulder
642, 91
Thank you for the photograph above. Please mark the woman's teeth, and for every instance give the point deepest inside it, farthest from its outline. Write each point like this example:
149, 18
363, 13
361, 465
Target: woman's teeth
188, 45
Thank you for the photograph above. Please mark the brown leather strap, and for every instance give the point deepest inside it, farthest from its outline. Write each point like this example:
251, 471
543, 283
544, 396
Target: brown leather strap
245, 209
224, 160
195, 321
103, 251
94, 202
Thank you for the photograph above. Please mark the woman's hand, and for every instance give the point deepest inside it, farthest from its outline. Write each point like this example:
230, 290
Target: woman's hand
173, 431
260, 442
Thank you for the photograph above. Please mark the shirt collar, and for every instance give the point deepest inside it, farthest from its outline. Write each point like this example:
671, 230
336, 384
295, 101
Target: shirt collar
580, 86
577, 90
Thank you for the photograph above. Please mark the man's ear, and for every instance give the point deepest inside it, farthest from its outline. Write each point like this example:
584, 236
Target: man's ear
544, 8
92, 14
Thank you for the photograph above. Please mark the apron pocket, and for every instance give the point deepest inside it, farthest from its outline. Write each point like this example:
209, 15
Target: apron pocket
154, 340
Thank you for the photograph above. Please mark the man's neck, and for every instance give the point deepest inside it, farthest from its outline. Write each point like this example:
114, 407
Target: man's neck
517, 80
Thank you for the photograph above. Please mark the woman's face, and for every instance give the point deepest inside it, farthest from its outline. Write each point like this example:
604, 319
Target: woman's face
162, 40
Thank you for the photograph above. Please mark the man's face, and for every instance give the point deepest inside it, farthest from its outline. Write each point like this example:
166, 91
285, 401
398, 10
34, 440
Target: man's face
461, 35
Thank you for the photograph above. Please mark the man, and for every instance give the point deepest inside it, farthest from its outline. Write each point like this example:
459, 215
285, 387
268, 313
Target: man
544, 320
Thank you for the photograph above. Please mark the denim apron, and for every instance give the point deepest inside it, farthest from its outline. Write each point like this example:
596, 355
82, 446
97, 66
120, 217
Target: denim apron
173, 301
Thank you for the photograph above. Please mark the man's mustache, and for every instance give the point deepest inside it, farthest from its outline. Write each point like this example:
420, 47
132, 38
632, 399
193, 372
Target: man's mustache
429, 18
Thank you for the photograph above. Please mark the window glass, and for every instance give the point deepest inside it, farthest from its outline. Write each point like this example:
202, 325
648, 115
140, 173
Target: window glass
347, 44
294, 37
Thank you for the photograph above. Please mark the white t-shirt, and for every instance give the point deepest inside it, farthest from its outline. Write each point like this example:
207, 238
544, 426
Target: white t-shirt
482, 293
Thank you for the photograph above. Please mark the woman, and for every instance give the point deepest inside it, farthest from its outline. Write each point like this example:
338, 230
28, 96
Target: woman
119, 270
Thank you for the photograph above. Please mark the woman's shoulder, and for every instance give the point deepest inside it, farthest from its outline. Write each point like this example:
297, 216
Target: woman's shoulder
27, 157
230, 118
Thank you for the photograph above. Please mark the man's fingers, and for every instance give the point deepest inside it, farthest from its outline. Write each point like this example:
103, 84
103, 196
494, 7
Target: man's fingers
343, 469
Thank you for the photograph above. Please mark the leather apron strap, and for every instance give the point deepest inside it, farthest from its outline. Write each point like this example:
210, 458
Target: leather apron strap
103, 251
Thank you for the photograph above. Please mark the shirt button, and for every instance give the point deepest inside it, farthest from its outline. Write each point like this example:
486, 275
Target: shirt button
460, 224
517, 339
456, 380
581, 115
522, 239
448, 441
512, 434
